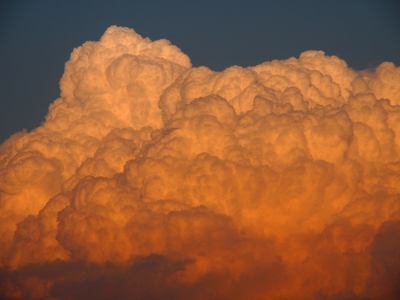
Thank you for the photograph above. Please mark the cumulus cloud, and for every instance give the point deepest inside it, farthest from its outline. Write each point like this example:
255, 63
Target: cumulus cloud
151, 179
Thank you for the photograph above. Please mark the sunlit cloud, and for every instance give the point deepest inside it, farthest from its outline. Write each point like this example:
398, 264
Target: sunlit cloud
151, 179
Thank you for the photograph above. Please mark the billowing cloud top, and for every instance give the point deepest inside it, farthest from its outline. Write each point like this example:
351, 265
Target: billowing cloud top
151, 179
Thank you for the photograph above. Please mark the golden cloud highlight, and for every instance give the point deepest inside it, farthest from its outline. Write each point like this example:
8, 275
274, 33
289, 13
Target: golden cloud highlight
151, 179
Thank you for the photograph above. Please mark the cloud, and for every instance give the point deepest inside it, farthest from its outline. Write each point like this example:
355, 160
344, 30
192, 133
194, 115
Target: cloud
155, 180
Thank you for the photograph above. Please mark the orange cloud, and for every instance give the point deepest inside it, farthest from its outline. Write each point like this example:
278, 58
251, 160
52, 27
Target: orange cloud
151, 179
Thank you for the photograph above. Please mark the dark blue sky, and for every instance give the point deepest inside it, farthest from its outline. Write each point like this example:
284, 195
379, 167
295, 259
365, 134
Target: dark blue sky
37, 38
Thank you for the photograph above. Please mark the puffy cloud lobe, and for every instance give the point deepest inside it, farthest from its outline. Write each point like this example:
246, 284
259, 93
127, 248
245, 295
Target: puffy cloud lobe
273, 181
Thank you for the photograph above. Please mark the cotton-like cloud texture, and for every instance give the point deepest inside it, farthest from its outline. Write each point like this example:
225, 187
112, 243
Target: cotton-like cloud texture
151, 179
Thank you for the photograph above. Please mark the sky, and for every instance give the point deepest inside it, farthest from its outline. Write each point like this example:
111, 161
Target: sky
38, 37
